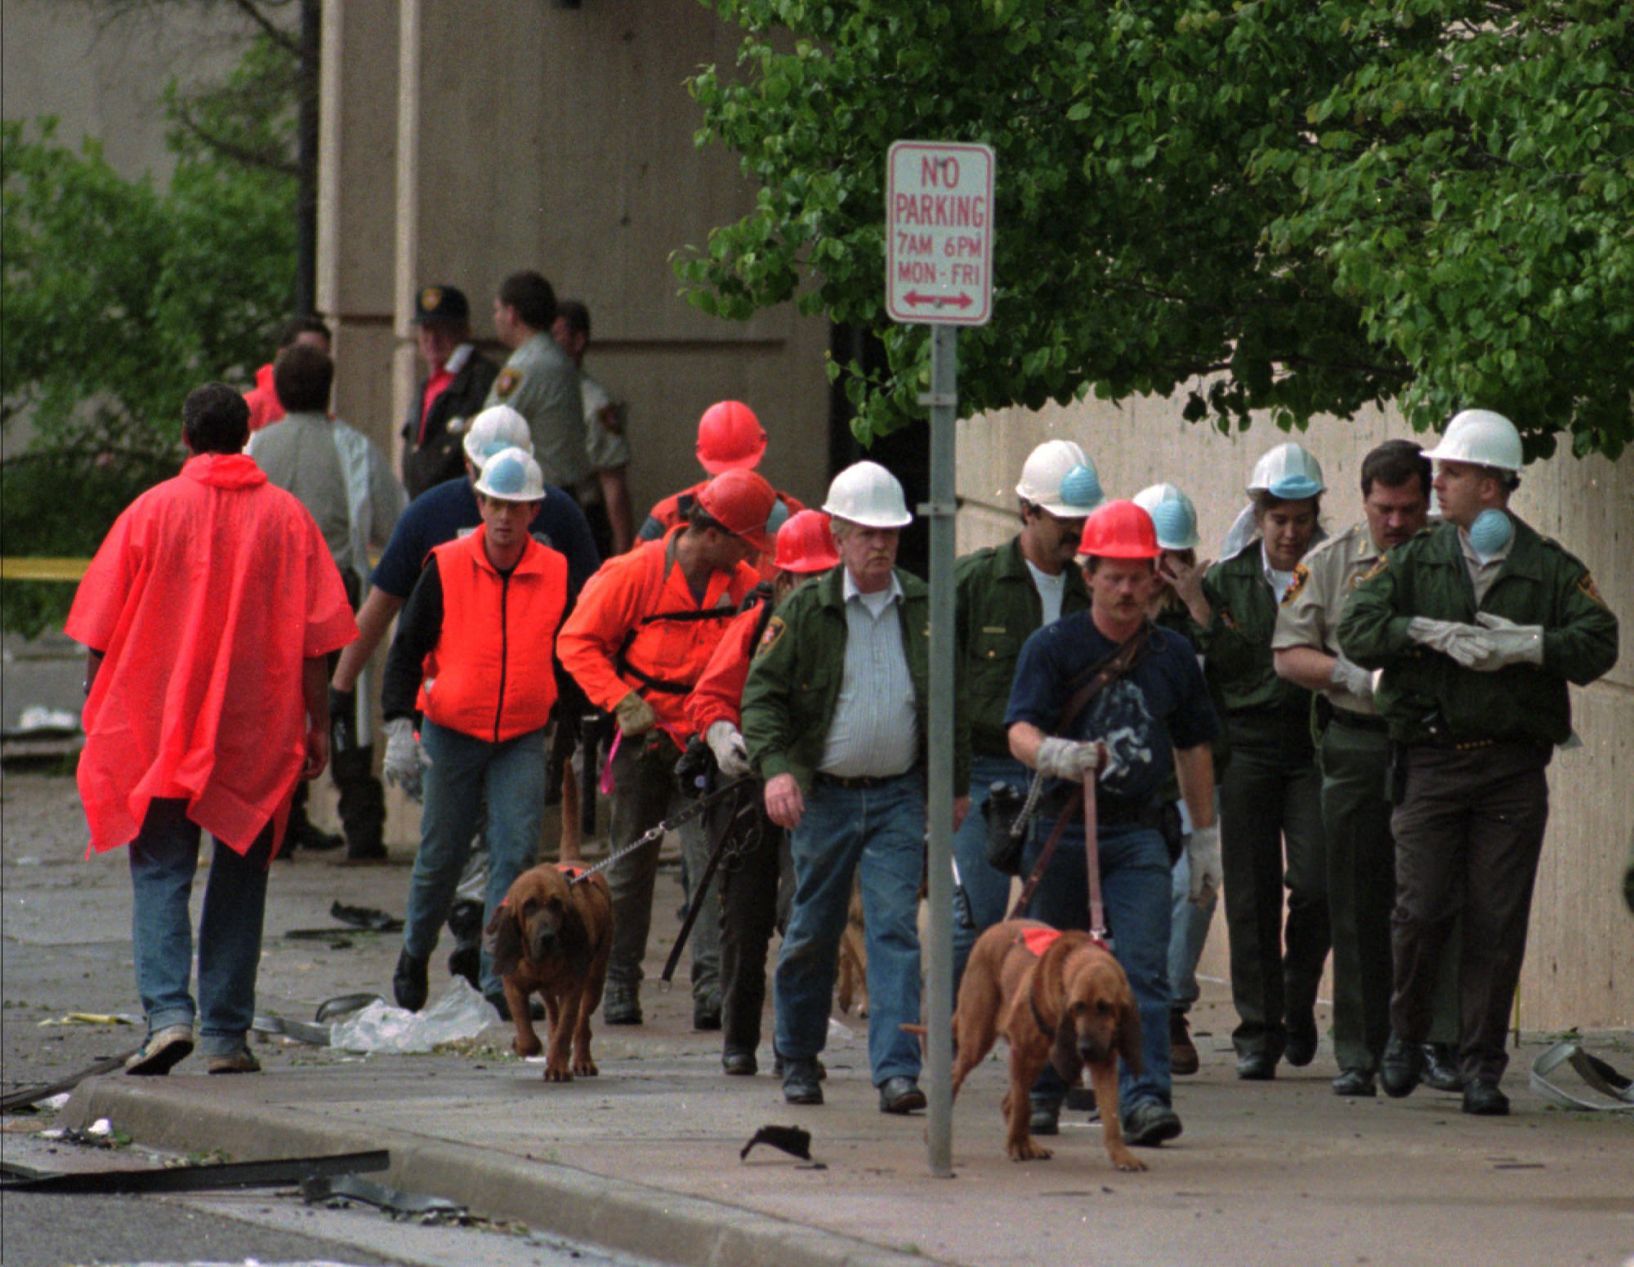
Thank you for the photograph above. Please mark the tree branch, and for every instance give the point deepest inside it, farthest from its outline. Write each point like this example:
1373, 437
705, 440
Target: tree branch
280, 37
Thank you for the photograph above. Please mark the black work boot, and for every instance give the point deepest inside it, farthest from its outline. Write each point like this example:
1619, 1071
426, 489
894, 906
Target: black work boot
408, 982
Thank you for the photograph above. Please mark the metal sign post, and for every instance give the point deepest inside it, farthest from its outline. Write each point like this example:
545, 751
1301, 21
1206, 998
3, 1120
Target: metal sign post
938, 270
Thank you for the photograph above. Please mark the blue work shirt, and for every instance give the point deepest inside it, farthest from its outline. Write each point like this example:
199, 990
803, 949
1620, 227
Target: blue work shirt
448, 510
1159, 705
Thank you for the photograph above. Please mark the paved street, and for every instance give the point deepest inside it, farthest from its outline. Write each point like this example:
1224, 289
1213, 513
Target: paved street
645, 1158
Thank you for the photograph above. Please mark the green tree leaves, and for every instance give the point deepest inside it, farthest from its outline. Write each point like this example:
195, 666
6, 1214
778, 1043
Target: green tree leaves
1282, 207
116, 299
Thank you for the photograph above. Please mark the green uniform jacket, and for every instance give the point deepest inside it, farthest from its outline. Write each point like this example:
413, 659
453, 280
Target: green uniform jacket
998, 607
1236, 645
1424, 695
794, 678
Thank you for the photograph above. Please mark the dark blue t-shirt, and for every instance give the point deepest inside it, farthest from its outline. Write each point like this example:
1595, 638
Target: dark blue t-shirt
449, 510
1159, 705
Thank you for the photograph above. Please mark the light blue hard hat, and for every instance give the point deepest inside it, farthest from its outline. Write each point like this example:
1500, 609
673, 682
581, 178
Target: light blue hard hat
1289, 472
512, 476
1173, 515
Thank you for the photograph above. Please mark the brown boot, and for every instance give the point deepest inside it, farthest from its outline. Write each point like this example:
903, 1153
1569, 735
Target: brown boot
1182, 1054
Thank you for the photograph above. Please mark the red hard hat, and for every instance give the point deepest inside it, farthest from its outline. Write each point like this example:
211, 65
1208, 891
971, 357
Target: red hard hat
1119, 530
804, 544
730, 438
741, 502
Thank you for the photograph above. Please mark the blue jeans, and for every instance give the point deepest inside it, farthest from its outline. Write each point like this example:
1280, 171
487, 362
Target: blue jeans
462, 770
1188, 931
163, 859
882, 830
1135, 884
987, 889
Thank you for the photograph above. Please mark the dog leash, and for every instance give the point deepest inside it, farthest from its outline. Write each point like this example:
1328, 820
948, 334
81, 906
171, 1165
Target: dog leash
1074, 802
657, 832
1092, 859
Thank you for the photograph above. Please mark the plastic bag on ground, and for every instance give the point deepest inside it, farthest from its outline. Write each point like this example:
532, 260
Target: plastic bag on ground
459, 1013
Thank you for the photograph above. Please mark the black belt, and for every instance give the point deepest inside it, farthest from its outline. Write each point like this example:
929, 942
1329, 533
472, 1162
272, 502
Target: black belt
860, 780
1360, 721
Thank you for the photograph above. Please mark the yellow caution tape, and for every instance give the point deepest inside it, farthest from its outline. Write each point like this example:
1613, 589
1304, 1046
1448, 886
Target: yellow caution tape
36, 569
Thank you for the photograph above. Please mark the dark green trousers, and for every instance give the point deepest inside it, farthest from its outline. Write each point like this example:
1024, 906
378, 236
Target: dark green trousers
1271, 835
1361, 893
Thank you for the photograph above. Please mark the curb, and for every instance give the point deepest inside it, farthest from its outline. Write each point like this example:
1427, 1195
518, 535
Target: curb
615, 1214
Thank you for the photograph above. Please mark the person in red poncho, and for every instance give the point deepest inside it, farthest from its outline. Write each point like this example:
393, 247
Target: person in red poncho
209, 612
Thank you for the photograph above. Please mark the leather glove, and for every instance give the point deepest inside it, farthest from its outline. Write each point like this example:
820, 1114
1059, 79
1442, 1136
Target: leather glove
405, 760
1352, 678
1203, 858
635, 715
731, 753
1465, 644
1070, 758
1510, 643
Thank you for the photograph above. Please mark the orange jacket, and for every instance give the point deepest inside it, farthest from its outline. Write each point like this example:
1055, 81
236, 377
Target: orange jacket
490, 675
265, 407
720, 686
205, 598
672, 511
637, 627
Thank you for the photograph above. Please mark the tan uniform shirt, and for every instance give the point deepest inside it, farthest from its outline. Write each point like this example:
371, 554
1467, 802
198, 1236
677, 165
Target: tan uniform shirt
1310, 611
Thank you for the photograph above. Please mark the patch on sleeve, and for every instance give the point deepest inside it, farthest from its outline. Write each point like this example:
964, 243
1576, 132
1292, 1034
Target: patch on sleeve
1301, 575
507, 382
1227, 619
611, 418
1380, 566
1586, 584
775, 628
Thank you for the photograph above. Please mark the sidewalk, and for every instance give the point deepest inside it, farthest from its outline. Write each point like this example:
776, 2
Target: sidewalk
644, 1159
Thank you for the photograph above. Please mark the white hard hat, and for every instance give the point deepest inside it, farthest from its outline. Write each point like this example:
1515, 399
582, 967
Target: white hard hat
1058, 477
1173, 515
495, 428
1481, 437
511, 475
866, 493
1288, 472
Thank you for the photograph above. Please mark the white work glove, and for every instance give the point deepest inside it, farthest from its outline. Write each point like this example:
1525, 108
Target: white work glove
731, 753
405, 759
635, 715
1465, 644
1351, 678
1511, 643
1203, 858
1070, 758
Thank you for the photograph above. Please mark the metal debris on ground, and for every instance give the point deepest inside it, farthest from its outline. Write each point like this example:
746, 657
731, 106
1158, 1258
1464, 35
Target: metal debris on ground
23, 1097
337, 1191
238, 1174
1596, 1074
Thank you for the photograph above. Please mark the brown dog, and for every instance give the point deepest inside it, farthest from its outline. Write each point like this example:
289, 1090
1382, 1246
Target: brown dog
1058, 998
853, 974
554, 937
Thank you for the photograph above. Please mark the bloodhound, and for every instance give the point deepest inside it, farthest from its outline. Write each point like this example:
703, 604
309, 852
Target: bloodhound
852, 981
1059, 998
554, 937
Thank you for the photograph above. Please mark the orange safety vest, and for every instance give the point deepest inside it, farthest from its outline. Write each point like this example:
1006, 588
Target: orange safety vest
490, 675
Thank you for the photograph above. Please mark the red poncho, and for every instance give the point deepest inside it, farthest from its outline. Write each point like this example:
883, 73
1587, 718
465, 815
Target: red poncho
205, 598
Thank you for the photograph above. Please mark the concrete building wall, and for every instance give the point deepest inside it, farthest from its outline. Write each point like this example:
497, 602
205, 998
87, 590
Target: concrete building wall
104, 77
463, 143
1580, 954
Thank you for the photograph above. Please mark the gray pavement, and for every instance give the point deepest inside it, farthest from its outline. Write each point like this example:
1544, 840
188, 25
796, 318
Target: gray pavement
644, 1159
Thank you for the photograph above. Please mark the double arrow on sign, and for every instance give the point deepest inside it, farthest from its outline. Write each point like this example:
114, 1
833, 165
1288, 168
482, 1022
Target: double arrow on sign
937, 301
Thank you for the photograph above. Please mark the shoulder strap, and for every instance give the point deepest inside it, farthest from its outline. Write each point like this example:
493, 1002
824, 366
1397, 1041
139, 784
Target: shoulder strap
1096, 678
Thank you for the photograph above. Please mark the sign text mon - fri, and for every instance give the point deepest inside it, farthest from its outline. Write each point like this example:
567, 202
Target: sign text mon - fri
939, 233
